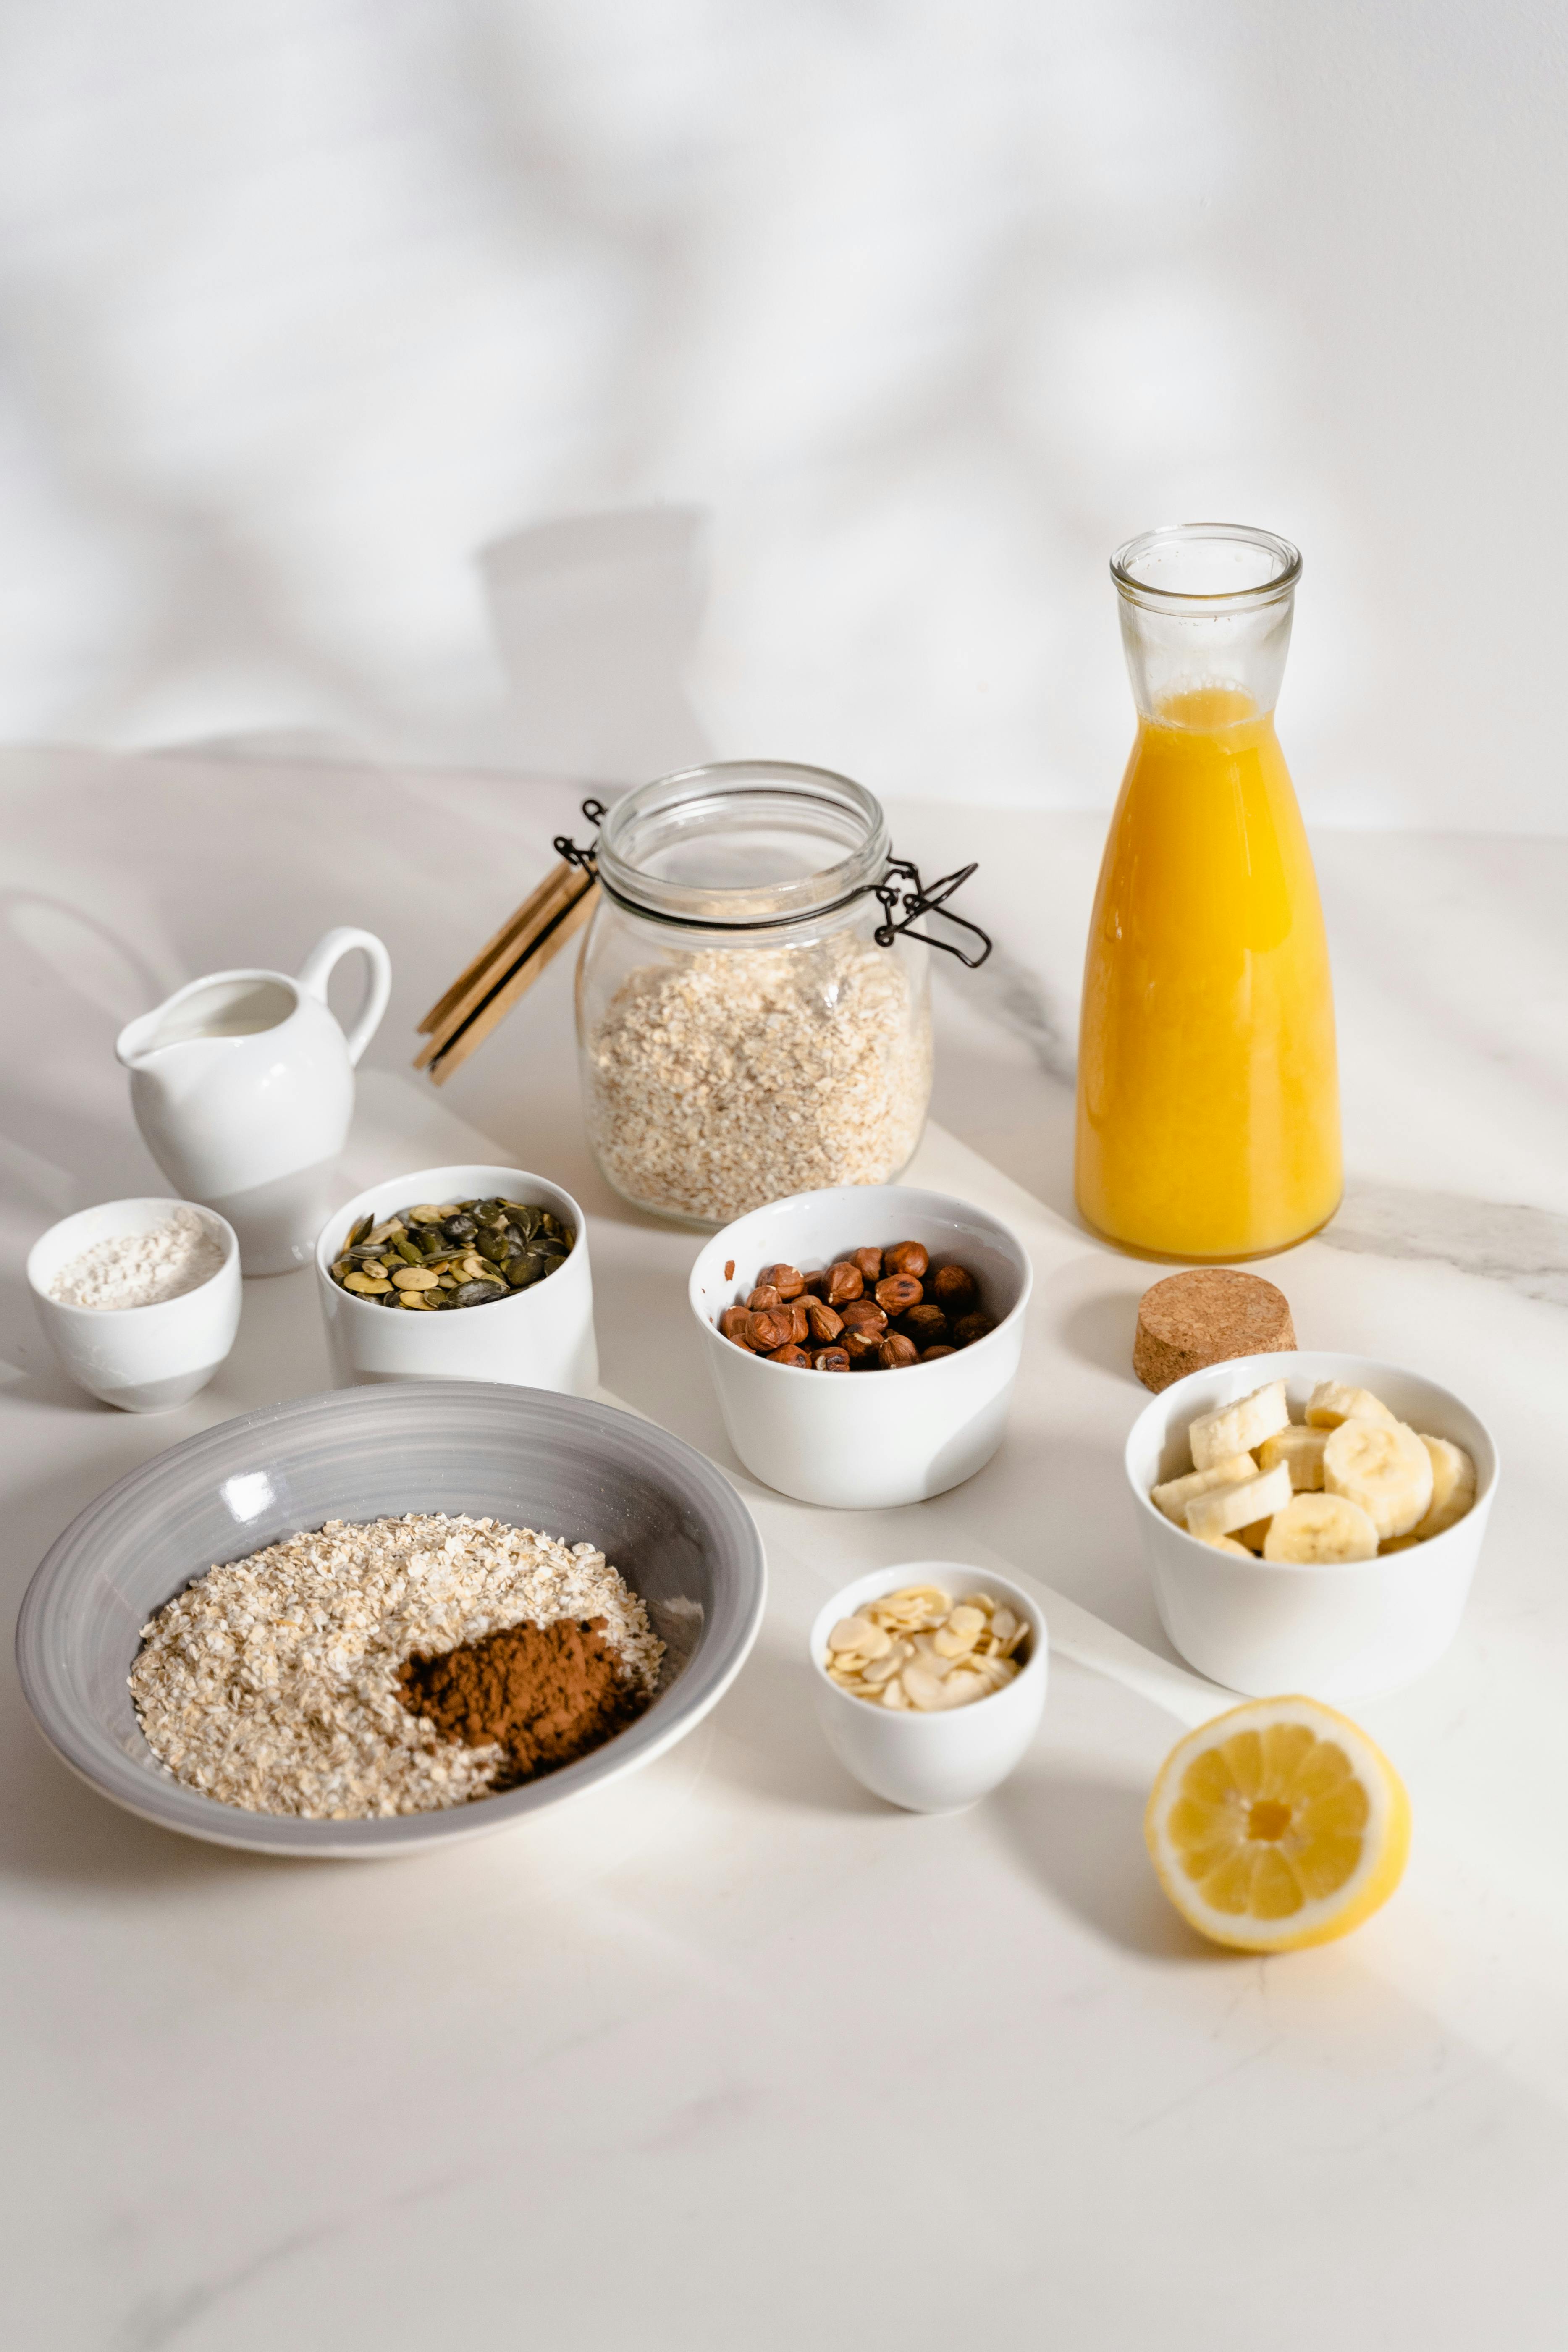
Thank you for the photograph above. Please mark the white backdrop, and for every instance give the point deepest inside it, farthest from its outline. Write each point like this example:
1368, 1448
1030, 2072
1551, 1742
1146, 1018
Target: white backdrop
595, 382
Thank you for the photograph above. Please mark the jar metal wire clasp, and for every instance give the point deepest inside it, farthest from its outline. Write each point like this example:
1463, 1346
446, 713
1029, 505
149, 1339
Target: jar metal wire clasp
903, 896
566, 848
902, 907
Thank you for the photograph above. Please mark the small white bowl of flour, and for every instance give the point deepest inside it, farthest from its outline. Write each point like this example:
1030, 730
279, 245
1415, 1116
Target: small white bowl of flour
139, 1299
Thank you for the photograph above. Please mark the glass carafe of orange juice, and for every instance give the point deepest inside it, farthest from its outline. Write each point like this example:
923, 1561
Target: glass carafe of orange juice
1208, 1118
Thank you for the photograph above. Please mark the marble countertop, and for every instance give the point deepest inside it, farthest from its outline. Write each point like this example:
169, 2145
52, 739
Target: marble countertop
733, 2054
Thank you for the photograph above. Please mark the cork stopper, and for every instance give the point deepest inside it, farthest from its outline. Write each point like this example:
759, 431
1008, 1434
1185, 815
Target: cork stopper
1206, 1317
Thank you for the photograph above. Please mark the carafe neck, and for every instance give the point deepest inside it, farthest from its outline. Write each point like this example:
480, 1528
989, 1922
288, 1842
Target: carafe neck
1205, 621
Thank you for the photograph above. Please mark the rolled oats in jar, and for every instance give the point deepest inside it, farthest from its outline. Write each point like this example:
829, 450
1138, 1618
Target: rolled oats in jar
742, 1033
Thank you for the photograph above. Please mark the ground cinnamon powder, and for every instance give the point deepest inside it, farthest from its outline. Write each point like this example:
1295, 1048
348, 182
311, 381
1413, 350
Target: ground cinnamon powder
547, 1693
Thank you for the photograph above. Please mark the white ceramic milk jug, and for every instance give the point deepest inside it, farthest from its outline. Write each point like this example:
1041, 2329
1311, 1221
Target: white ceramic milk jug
243, 1087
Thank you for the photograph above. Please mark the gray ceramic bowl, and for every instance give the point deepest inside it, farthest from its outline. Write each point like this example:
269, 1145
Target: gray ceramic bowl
663, 1516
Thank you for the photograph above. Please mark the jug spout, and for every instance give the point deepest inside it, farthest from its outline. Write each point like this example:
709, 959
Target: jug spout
134, 1042
207, 1018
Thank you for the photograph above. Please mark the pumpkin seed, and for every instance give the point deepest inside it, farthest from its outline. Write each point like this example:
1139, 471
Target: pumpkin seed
442, 1254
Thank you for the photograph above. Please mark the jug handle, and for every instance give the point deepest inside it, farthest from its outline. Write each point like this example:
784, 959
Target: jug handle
316, 970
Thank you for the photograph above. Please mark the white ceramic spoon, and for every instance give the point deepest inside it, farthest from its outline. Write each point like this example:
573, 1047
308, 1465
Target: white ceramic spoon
1077, 1633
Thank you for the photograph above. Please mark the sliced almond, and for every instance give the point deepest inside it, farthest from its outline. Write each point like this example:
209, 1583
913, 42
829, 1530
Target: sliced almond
851, 1634
922, 1688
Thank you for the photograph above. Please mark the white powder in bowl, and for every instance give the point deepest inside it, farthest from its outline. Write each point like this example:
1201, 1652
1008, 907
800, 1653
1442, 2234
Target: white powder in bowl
141, 1269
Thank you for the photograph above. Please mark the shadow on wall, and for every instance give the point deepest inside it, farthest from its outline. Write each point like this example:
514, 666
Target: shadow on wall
593, 620
596, 620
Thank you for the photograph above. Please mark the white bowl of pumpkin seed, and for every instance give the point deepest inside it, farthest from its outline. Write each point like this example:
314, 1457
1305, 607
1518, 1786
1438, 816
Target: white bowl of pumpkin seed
462, 1273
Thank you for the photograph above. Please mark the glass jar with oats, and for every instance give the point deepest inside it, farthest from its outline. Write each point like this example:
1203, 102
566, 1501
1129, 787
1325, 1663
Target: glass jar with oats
754, 1020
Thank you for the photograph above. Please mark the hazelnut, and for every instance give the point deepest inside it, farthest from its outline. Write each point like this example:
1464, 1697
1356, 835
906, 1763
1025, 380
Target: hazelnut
826, 1324
954, 1287
871, 1310
773, 1326
970, 1328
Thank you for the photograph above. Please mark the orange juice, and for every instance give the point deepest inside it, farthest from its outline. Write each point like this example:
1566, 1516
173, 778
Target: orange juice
1208, 1094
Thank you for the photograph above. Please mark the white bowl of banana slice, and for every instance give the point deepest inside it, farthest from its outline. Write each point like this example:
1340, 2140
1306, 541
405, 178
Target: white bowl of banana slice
1312, 1521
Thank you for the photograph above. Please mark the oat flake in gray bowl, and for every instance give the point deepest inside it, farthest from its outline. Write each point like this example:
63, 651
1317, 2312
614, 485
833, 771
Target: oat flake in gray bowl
680, 1536
271, 1682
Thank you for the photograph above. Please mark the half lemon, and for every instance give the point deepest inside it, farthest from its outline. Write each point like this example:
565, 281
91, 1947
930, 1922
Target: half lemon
1276, 1825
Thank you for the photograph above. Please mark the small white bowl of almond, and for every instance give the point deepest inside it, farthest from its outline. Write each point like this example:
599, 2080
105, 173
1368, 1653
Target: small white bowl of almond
930, 1681
1310, 1521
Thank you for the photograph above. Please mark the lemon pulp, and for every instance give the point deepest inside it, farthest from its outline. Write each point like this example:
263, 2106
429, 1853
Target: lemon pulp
1276, 1825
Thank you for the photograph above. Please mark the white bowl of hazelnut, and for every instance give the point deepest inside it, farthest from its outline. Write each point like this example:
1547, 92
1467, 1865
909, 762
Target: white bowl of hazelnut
864, 1341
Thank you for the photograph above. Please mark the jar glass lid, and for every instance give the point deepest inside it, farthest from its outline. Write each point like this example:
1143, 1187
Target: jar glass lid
744, 844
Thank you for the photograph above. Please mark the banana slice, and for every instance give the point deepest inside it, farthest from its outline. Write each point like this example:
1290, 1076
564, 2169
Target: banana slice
1237, 1428
1321, 1527
1225, 1508
1384, 1468
1453, 1487
1301, 1451
1331, 1401
1252, 1539
1175, 1496
1228, 1543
